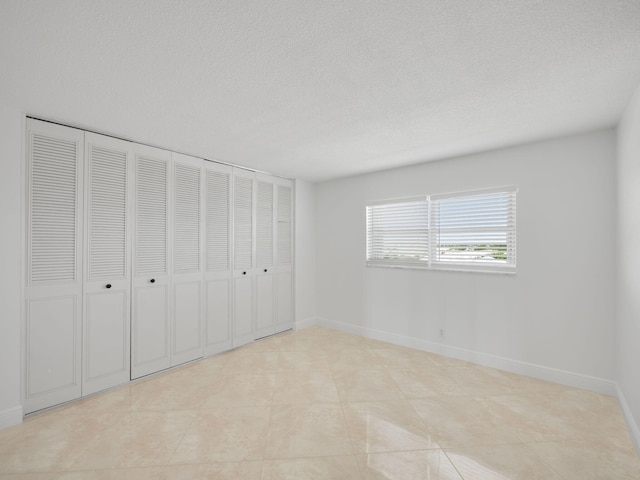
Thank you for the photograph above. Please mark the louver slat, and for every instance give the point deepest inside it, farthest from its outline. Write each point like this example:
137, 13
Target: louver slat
284, 225
187, 219
243, 222
53, 216
217, 221
264, 228
151, 218
108, 211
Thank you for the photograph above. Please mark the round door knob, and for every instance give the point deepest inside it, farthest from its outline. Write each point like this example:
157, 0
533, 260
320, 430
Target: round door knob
153, 280
244, 273
265, 270
108, 285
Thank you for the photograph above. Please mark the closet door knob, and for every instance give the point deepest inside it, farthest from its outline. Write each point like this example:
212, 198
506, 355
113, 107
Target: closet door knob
265, 270
108, 285
153, 280
244, 273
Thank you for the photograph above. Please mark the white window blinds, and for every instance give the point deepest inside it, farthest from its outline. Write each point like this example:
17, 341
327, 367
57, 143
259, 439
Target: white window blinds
475, 229
398, 233
469, 230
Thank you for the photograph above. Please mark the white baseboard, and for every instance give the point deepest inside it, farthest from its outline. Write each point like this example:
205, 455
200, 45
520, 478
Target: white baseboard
634, 430
307, 322
10, 417
555, 375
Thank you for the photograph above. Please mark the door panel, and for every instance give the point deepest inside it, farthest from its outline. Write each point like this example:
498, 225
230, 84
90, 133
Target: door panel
150, 330
243, 320
244, 248
265, 254
107, 277
150, 334
53, 293
106, 339
218, 275
187, 332
285, 302
187, 278
218, 320
284, 264
264, 305
52, 350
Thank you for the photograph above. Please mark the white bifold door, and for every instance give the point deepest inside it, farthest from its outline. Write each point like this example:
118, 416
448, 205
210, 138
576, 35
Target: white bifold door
187, 301
139, 259
53, 293
218, 278
107, 266
284, 256
150, 323
265, 256
244, 225
262, 256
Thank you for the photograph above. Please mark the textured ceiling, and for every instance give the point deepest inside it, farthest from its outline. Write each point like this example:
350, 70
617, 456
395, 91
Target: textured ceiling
319, 89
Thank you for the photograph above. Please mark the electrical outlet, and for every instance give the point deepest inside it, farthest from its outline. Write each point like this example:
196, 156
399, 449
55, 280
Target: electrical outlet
442, 332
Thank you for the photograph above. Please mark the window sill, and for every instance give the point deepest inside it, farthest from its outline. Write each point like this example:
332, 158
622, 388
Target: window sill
464, 269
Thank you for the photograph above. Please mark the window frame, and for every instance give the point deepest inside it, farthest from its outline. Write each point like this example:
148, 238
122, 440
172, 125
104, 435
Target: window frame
432, 226
398, 233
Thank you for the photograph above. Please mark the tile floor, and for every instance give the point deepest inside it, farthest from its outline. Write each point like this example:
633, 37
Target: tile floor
321, 404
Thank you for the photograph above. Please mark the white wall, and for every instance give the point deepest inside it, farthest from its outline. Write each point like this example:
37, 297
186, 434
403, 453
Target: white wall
10, 281
628, 279
305, 236
557, 312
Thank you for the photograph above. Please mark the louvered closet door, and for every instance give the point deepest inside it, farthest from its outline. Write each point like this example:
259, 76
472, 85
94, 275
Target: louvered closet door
107, 270
186, 285
284, 256
265, 256
244, 225
53, 290
218, 261
150, 335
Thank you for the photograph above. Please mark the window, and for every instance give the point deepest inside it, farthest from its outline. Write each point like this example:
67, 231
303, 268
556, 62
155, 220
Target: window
398, 233
474, 230
464, 231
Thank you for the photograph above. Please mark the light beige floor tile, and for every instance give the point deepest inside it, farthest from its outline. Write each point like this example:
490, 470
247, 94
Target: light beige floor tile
406, 359
479, 380
303, 361
386, 426
313, 387
213, 471
457, 421
307, 431
249, 362
139, 439
589, 460
240, 390
318, 468
206, 370
167, 393
345, 341
536, 418
332, 394
118, 400
425, 383
353, 360
501, 462
145, 473
52, 441
366, 385
224, 435
427, 465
